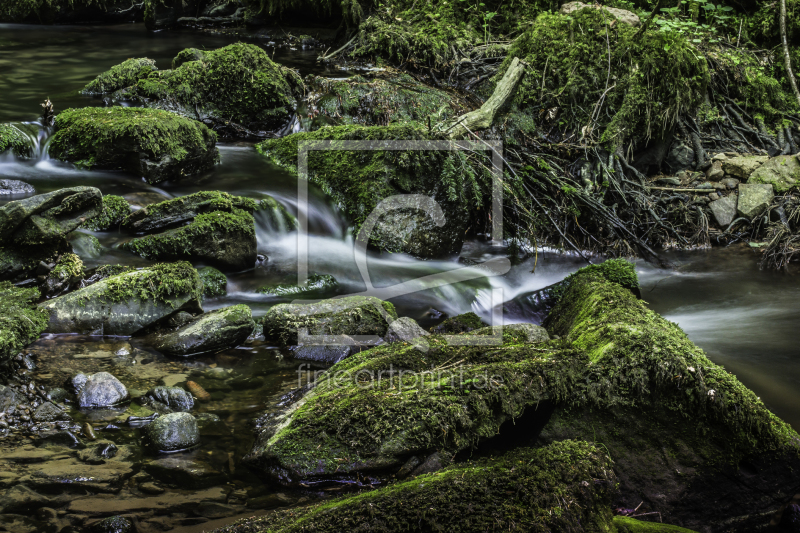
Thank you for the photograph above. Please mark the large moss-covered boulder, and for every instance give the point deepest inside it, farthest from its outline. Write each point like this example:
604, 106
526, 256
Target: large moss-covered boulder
567, 486
12, 140
352, 315
170, 213
127, 303
224, 240
152, 143
358, 180
21, 321
115, 209
211, 332
120, 76
237, 89
34, 230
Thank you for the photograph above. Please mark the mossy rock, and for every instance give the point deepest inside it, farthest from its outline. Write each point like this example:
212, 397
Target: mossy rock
14, 141
317, 283
209, 333
21, 321
352, 315
105, 271
170, 213
782, 172
459, 324
120, 76
236, 84
358, 180
224, 240
127, 303
274, 216
115, 210
68, 271
152, 143
567, 486
214, 282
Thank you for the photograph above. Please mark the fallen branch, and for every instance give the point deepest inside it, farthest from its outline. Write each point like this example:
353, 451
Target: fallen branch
334, 53
707, 191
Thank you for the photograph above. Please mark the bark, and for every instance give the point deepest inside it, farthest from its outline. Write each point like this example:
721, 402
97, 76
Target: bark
787, 60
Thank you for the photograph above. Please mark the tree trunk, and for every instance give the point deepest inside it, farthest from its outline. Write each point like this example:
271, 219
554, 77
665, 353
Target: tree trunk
787, 60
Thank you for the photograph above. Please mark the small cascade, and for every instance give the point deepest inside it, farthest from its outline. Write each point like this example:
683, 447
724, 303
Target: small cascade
37, 138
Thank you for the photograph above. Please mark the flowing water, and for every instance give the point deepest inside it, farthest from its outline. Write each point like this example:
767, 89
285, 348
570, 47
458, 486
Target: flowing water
744, 318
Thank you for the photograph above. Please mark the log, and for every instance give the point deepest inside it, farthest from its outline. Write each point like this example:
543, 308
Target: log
482, 118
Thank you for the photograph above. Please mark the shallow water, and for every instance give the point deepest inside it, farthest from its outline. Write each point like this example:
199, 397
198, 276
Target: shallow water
744, 318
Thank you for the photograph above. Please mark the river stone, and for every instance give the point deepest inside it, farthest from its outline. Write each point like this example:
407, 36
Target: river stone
102, 390
171, 213
184, 471
459, 324
8, 398
730, 183
316, 283
741, 167
172, 432
15, 187
352, 315
322, 353
112, 524
724, 210
105, 308
624, 16
754, 199
211, 332
782, 172
680, 157
173, 399
214, 282
48, 412
404, 329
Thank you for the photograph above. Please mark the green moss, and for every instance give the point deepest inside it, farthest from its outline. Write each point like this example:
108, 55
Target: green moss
277, 217
316, 283
13, 140
68, 266
21, 321
459, 324
120, 76
185, 208
161, 282
563, 487
104, 137
238, 83
115, 209
214, 282
626, 524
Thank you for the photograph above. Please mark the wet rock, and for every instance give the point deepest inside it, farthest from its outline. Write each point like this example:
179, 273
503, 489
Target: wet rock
680, 157
102, 390
101, 451
433, 463
150, 143
62, 438
459, 324
8, 398
12, 140
103, 272
317, 283
742, 167
174, 502
21, 499
754, 199
67, 272
177, 211
404, 329
73, 475
113, 524
782, 172
48, 412
214, 282
353, 315
126, 303
115, 210
323, 353
724, 210
120, 76
8, 187
211, 332
184, 471
624, 16
172, 432
169, 399
224, 240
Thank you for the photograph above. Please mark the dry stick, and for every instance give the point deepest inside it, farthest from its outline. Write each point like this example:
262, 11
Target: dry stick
323, 58
786, 59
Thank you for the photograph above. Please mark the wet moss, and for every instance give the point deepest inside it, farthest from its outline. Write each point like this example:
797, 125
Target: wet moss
13, 140
120, 76
68, 266
316, 283
277, 217
214, 282
185, 208
566, 486
21, 321
459, 324
161, 283
115, 209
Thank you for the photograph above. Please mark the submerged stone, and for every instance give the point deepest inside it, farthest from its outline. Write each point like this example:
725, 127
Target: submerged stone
210, 332
168, 399
126, 303
154, 144
102, 390
172, 432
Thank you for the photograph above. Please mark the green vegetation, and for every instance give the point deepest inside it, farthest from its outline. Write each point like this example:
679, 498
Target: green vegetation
214, 282
459, 324
11, 139
115, 209
161, 283
625, 524
121, 76
21, 321
185, 208
68, 266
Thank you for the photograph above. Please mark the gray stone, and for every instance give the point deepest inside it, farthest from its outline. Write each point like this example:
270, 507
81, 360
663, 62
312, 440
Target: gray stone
680, 157
211, 332
48, 412
754, 199
57, 474
404, 329
8, 398
184, 471
742, 167
713, 196
432, 464
782, 172
624, 16
97, 309
724, 210
322, 353
102, 390
730, 183
169, 399
172, 432
715, 173
15, 187
101, 451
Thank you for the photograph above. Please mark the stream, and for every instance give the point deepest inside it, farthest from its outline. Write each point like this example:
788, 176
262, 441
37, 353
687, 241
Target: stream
744, 318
